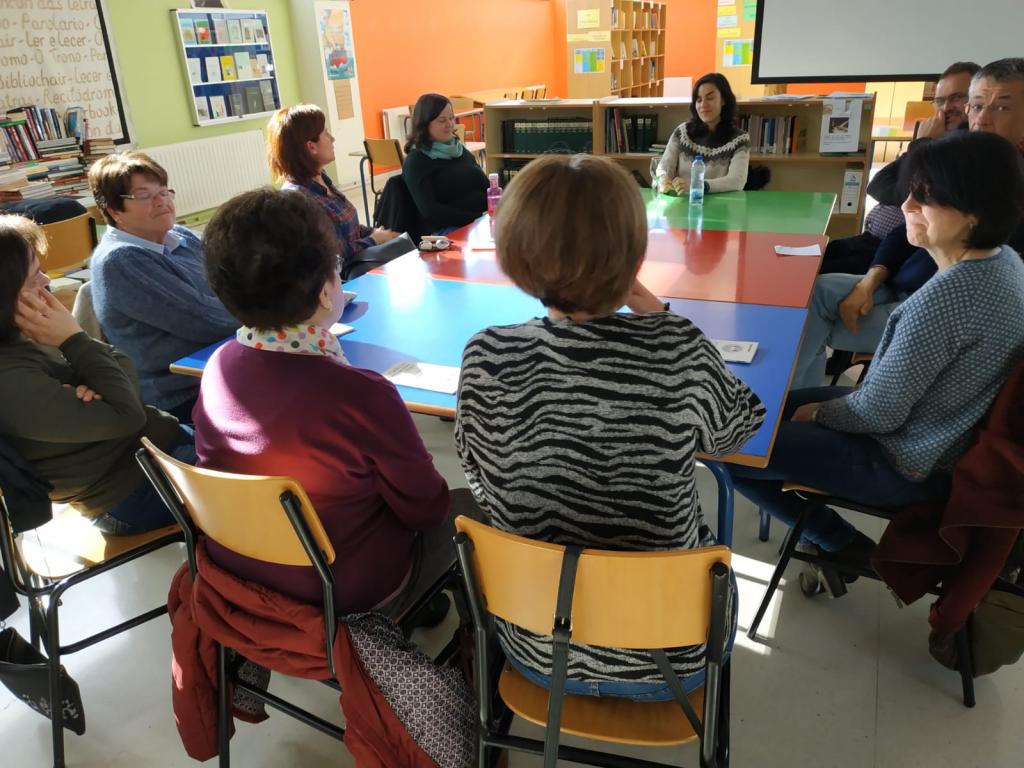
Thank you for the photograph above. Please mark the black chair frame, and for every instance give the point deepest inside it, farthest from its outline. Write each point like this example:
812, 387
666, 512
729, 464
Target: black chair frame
44, 599
789, 552
495, 717
226, 671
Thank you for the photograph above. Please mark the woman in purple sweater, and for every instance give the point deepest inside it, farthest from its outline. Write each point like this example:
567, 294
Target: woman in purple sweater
281, 399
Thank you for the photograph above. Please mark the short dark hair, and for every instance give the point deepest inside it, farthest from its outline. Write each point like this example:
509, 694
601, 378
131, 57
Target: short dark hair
959, 68
1001, 70
268, 255
727, 122
975, 172
110, 178
19, 239
287, 133
428, 107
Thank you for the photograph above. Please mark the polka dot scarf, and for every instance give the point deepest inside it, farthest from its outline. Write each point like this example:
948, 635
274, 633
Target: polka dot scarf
296, 339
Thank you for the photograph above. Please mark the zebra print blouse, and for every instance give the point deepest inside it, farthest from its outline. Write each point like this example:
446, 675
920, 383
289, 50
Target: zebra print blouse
585, 433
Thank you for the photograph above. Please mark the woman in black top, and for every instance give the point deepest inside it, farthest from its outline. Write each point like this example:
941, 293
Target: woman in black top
446, 184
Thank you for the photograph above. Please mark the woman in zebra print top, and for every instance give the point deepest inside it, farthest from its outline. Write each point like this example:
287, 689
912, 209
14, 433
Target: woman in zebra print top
581, 427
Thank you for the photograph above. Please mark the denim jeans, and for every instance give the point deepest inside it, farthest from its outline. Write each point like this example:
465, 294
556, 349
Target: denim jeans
636, 691
143, 510
847, 465
825, 327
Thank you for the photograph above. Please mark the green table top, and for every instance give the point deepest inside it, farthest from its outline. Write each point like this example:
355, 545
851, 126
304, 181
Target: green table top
796, 213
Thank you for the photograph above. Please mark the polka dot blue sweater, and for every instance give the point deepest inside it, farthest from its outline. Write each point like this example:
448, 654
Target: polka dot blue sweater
943, 357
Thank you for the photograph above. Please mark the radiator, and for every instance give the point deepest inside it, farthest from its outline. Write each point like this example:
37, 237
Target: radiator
207, 172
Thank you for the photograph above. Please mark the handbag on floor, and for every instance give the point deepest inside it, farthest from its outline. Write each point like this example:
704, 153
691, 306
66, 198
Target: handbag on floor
25, 673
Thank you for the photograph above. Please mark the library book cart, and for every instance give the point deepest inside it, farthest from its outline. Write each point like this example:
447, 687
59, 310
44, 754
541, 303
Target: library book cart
785, 136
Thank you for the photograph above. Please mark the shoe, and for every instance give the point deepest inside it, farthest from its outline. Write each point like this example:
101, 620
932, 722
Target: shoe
856, 554
942, 647
815, 579
434, 612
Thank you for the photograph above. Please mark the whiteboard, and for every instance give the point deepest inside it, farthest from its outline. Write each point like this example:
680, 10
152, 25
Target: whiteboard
58, 54
856, 40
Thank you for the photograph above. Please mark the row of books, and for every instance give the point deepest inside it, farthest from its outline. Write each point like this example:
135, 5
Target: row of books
567, 135
630, 133
44, 123
248, 101
218, 31
774, 135
238, 66
626, 74
31, 132
640, 18
637, 48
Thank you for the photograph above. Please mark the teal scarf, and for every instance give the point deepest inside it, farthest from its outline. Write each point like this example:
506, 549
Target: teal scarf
449, 150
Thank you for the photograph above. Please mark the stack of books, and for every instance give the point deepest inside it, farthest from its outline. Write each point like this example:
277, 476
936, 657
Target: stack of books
97, 148
630, 133
39, 154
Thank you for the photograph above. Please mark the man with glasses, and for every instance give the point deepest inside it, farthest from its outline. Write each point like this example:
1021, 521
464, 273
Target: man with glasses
853, 255
149, 287
849, 312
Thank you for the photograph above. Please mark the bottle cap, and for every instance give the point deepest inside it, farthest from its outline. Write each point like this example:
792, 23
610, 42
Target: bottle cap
699, 157
493, 179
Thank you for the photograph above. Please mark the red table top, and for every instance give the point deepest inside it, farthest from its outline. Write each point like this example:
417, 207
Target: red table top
714, 265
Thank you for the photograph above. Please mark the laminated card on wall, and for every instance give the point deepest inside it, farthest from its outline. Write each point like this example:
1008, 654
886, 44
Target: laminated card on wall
840, 125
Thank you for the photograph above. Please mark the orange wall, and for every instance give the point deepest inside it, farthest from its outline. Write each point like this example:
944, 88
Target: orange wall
690, 38
409, 47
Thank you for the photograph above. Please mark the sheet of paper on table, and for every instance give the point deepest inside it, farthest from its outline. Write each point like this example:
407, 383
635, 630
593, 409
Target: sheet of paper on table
735, 351
436, 378
798, 250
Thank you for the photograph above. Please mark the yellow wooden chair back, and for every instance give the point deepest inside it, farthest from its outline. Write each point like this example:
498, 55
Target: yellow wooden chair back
622, 599
383, 152
70, 242
243, 512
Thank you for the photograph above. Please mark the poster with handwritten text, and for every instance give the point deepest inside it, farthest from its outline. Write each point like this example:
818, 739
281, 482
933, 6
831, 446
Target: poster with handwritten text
53, 54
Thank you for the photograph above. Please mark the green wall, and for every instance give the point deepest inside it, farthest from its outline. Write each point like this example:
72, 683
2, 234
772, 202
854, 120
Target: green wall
153, 79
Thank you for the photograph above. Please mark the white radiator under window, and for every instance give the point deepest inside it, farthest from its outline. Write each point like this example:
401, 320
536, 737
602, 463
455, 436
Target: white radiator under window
207, 172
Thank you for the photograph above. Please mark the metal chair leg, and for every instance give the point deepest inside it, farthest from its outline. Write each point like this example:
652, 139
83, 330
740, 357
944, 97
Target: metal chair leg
966, 664
780, 568
223, 712
362, 183
56, 695
765, 528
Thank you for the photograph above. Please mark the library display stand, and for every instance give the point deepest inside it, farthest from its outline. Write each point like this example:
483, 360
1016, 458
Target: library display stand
616, 47
785, 136
229, 64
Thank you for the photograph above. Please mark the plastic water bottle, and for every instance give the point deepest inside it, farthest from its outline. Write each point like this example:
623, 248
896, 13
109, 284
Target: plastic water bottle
493, 194
697, 181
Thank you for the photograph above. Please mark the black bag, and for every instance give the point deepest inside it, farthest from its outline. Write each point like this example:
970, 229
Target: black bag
396, 210
376, 255
8, 596
26, 495
758, 177
25, 673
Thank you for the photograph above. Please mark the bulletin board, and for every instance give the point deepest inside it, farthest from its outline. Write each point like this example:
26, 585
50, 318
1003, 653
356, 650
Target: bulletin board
57, 53
735, 22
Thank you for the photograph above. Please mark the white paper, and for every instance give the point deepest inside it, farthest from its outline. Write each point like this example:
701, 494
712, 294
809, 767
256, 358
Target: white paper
798, 250
348, 297
436, 378
735, 351
840, 125
340, 329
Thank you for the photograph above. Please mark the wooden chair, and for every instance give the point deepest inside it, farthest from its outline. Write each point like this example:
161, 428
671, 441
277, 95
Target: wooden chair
465, 104
45, 562
386, 153
640, 600
916, 112
535, 92
71, 242
513, 95
266, 518
811, 587
477, 148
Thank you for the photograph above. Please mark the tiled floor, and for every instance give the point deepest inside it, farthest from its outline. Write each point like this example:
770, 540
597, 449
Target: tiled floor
839, 684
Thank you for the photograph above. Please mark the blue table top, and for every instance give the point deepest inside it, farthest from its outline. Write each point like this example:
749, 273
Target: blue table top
405, 315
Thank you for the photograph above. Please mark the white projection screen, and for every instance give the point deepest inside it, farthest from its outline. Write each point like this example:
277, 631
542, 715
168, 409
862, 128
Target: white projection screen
857, 40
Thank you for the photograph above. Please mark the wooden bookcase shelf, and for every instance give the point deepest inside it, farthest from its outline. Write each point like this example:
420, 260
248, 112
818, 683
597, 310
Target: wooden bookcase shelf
804, 169
616, 47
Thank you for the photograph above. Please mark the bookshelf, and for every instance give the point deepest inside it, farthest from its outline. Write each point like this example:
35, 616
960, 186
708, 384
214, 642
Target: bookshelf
632, 35
229, 64
798, 166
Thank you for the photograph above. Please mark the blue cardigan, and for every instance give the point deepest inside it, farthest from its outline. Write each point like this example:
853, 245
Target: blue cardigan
153, 303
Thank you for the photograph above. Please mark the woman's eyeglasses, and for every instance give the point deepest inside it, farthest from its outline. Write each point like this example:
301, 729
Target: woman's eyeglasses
145, 195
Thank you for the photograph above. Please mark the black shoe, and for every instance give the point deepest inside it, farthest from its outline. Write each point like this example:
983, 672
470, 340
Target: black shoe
433, 612
856, 554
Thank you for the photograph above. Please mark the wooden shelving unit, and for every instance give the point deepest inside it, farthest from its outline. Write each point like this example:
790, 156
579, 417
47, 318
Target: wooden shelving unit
626, 39
805, 169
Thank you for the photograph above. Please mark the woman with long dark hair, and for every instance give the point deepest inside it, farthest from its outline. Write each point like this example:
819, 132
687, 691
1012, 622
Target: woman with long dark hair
711, 133
446, 184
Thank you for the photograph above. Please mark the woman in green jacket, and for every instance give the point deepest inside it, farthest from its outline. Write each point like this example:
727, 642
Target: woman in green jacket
69, 404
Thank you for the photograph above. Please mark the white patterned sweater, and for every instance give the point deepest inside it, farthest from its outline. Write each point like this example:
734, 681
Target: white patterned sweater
944, 355
726, 164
